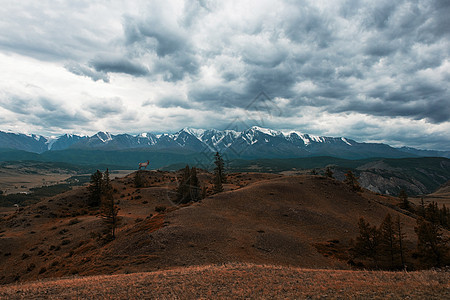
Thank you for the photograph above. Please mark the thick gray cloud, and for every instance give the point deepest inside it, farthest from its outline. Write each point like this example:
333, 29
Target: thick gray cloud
118, 65
347, 60
43, 112
78, 69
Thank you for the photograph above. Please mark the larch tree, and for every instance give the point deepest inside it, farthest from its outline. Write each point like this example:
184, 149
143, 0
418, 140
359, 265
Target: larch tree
189, 186
404, 202
194, 185
183, 192
389, 242
401, 240
95, 189
328, 172
219, 173
432, 246
109, 210
367, 243
352, 181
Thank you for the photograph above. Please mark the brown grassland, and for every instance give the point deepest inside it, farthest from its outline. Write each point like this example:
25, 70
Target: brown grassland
266, 235
240, 281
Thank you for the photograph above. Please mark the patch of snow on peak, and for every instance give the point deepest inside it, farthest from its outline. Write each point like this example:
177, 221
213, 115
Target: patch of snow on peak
317, 139
266, 131
198, 133
233, 133
346, 141
107, 136
50, 141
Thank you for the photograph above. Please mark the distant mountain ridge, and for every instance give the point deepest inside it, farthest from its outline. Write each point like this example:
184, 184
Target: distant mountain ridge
255, 142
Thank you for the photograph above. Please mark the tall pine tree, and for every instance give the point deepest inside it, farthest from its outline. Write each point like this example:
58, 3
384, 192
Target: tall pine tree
367, 243
328, 172
194, 185
352, 181
183, 186
95, 189
391, 243
403, 196
219, 173
401, 240
189, 186
432, 246
109, 210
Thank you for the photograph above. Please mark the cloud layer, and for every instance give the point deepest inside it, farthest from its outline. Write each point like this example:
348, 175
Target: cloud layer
368, 70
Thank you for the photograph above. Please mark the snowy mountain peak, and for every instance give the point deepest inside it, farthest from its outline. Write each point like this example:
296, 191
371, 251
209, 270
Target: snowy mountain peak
198, 133
104, 136
266, 131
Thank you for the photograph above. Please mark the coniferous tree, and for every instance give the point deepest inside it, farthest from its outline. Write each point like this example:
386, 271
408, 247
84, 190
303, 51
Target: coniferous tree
194, 185
432, 212
219, 174
328, 172
401, 240
218, 187
95, 189
109, 210
189, 186
432, 246
183, 192
403, 196
444, 215
422, 208
388, 241
391, 249
367, 243
352, 181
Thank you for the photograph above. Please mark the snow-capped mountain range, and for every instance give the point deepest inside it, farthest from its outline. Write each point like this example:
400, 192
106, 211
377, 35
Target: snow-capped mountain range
255, 142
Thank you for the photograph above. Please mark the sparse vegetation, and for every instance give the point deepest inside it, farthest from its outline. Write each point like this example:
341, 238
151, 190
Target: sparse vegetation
95, 189
385, 246
108, 209
328, 172
352, 181
404, 202
219, 173
160, 208
432, 248
189, 186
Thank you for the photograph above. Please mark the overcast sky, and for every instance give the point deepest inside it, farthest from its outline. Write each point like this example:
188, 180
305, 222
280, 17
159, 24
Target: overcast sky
367, 70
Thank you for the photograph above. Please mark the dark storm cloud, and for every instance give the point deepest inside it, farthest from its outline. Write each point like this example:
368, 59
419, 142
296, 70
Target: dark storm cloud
44, 112
119, 65
155, 34
152, 31
78, 69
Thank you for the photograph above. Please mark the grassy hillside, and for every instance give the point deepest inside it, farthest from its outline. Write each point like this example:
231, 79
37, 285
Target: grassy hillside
302, 221
242, 281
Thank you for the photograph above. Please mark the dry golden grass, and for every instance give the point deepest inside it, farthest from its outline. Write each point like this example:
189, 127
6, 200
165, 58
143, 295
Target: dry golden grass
241, 281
